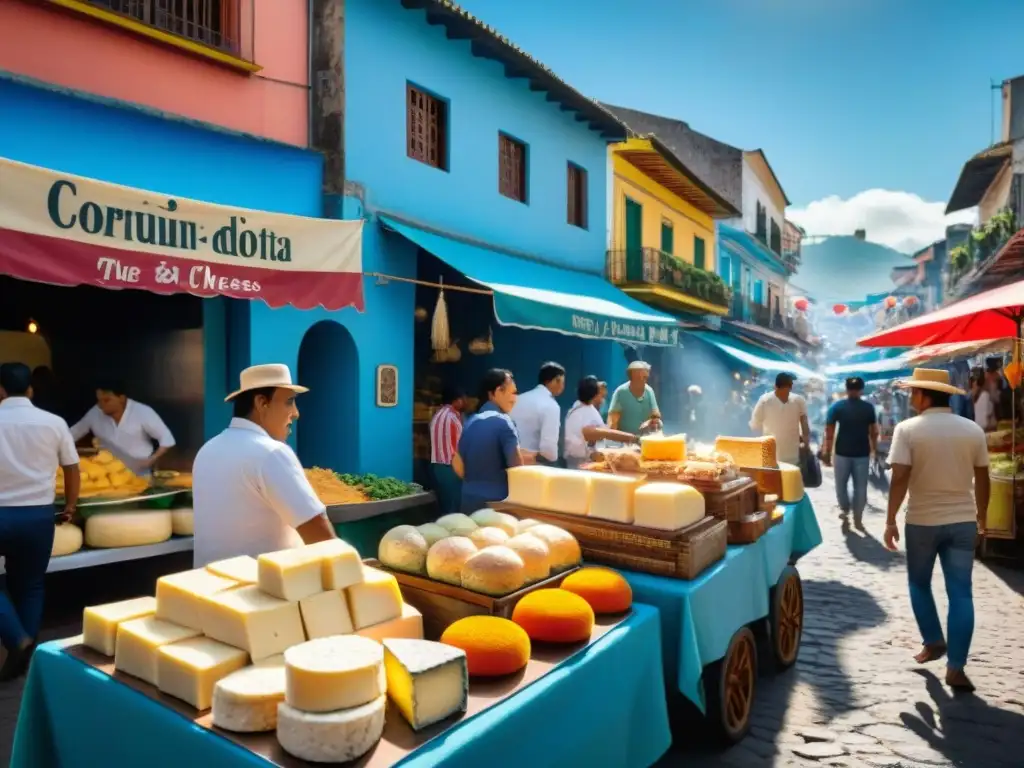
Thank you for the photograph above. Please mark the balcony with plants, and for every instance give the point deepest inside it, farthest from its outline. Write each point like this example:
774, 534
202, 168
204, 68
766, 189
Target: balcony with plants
657, 277
969, 262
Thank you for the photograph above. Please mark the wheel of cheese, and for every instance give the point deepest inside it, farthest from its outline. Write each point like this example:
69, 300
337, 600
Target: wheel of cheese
332, 673
495, 571
404, 548
447, 557
331, 737
489, 536
181, 522
554, 616
565, 550
494, 646
128, 529
246, 701
536, 555
606, 590
67, 539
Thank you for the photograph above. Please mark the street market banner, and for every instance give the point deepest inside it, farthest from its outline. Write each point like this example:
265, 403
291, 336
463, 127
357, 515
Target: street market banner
62, 229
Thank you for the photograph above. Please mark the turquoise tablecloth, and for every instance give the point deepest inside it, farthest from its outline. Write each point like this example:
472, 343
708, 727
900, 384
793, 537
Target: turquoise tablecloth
603, 707
699, 617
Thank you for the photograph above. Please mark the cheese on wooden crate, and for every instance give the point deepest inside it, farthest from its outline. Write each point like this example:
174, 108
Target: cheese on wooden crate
182, 522
330, 737
535, 554
246, 701
243, 569
663, 448
408, 625
291, 574
749, 451
99, 622
189, 669
404, 548
340, 563
495, 570
493, 518
377, 598
334, 673
179, 596
612, 497
568, 492
67, 539
527, 486
254, 621
139, 640
667, 506
446, 558
427, 681
325, 614
792, 483
108, 530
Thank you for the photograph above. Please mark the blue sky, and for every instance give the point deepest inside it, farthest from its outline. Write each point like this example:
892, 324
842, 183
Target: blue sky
843, 95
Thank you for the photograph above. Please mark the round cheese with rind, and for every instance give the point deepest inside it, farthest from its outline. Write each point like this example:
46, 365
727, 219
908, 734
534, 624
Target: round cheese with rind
331, 737
493, 518
565, 550
246, 701
457, 524
108, 530
404, 548
67, 539
495, 570
488, 536
433, 533
536, 555
332, 673
181, 522
447, 557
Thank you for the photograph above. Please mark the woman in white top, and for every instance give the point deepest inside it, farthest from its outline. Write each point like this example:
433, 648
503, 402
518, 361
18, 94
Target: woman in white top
584, 425
984, 409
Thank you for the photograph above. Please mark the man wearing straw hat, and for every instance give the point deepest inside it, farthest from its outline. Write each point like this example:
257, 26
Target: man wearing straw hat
249, 491
937, 456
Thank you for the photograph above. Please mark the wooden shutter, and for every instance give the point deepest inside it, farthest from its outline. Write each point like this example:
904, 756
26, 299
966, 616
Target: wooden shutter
511, 168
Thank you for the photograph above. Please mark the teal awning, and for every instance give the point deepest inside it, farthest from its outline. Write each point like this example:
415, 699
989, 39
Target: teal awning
755, 357
535, 296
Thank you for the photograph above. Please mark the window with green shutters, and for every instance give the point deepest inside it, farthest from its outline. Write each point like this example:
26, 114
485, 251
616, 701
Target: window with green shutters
698, 252
667, 237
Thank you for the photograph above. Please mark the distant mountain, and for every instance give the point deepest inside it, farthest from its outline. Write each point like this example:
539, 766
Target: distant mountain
845, 269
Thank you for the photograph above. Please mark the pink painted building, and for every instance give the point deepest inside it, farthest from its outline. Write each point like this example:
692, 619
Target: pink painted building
220, 62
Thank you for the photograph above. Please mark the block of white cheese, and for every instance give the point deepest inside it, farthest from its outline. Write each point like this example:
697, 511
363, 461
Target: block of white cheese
792, 483
527, 486
67, 539
179, 596
325, 614
663, 448
246, 701
404, 548
107, 530
252, 620
99, 622
334, 673
611, 497
427, 681
377, 598
667, 506
446, 558
189, 669
182, 522
243, 569
568, 492
493, 518
139, 640
340, 563
408, 625
290, 574
330, 737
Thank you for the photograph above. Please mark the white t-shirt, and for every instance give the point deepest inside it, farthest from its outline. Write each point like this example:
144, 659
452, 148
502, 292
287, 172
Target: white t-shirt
33, 443
942, 451
780, 420
538, 418
131, 439
984, 412
579, 418
249, 495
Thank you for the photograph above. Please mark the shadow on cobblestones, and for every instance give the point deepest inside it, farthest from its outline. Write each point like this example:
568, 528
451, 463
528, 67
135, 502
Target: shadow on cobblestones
868, 550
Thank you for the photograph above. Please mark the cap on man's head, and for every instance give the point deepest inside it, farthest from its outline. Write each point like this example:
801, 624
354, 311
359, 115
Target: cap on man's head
638, 365
855, 384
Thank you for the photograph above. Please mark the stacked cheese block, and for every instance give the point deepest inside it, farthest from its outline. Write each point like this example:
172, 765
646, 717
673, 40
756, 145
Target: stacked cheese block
623, 499
760, 452
205, 624
488, 552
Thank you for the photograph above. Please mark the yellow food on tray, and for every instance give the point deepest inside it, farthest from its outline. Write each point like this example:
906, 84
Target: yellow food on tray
663, 448
749, 451
104, 475
331, 490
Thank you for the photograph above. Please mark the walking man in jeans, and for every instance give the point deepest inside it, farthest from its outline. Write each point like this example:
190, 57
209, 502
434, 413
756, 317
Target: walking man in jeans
858, 438
938, 456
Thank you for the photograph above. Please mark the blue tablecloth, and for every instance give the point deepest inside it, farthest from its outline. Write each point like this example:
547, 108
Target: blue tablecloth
605, 706
699, 617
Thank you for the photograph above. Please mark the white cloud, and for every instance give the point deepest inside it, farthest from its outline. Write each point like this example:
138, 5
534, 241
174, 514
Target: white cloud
900, 220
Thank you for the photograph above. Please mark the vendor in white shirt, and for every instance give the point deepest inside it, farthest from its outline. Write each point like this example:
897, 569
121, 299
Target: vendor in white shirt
126, 428
538, 418
783, 415
249, 492
584, 426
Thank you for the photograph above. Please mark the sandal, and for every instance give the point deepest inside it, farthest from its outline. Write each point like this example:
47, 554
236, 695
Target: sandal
957, 680
932, 652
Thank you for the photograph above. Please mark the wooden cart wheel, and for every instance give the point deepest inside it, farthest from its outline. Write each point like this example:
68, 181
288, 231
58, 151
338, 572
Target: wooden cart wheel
786, 617
730, 685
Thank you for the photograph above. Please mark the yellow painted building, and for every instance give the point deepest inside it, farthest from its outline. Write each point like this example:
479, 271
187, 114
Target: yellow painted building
662, 247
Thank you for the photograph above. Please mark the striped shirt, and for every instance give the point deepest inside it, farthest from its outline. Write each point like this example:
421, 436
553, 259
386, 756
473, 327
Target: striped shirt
445, 431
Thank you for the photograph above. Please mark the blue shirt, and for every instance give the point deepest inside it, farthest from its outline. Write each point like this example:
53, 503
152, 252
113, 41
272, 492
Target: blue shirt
488, 447
854, 417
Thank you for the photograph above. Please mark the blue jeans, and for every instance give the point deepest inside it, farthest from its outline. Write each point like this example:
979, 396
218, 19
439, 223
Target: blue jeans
26, 540
857, 468
954, 546
448, 487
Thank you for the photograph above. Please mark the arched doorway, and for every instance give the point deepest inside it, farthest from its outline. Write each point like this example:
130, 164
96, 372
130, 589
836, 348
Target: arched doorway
328, 427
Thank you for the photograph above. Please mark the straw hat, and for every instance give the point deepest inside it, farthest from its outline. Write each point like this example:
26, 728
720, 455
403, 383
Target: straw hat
930, 378
272, 375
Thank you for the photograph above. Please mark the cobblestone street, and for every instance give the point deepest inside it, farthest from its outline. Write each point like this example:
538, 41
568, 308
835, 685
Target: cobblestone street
856, 697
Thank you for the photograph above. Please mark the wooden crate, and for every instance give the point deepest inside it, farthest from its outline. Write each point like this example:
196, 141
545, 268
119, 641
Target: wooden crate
749, 529
443, 604
732, 500
680, 554
768, 479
